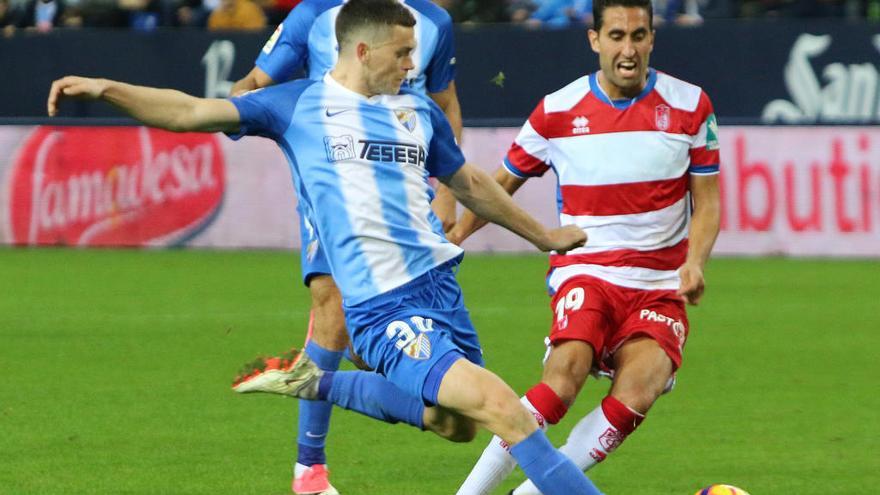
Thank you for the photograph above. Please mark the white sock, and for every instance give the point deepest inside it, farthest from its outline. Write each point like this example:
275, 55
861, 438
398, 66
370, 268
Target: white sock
299, 469
496, 463
589, 442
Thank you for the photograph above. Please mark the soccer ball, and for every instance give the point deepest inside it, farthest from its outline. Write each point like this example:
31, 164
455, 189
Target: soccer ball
722, 490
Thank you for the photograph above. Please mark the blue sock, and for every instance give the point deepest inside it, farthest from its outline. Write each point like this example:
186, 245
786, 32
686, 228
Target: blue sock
371, 394
314, 416
549, 470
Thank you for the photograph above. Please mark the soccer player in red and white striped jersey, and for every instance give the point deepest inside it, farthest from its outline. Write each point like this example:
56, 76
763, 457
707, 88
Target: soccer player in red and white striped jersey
636, 155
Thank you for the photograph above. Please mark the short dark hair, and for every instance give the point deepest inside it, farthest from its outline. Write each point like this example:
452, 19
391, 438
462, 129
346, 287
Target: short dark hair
357, 14
599, 7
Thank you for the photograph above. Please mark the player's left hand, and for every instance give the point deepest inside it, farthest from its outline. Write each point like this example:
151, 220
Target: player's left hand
565, 238
73, 86
692, 283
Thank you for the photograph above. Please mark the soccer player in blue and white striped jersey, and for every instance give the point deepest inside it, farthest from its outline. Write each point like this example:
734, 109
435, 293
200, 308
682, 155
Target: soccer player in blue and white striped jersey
360, 154
306, 39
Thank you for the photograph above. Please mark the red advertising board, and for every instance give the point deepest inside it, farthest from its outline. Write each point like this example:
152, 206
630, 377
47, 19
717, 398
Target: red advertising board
112, 186
802, 191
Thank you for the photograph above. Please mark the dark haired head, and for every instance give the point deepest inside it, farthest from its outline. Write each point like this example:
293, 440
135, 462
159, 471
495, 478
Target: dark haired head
375, 15
599, 7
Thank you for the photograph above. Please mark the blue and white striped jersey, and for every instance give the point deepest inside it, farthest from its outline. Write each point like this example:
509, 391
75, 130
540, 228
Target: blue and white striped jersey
361, 167
307, 39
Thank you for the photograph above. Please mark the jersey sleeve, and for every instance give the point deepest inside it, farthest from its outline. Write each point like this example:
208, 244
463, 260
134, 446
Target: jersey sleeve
704, 152
444, 155
441, 69
529, 155
287, 50
267, 112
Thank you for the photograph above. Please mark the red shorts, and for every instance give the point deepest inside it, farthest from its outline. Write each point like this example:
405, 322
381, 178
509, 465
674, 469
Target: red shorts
605, 316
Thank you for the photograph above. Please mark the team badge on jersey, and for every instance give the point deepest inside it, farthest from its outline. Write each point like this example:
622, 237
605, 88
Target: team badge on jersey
407, 118
662, 117
339, 148
420, 348
413, 342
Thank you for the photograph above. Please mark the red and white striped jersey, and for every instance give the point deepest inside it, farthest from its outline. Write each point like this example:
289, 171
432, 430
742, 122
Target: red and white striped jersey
623, 170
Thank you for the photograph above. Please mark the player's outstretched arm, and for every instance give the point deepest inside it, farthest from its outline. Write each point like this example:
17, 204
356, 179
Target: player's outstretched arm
255, 79
704, 227
477, 191
163, 108
469, 222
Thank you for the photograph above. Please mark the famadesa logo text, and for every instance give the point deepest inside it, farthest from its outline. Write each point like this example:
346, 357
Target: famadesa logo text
108, 186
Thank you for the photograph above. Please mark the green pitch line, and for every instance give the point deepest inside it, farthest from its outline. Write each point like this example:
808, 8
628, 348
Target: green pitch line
116, 368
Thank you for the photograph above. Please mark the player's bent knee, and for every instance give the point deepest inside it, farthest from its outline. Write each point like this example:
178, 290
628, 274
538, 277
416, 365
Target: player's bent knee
357, 360
462, 431
639, 395
486, 399
450, 425
507, 412
567, 368
637, 400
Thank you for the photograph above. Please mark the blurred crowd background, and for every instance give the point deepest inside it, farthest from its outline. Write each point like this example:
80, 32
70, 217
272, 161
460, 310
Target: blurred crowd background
145, 15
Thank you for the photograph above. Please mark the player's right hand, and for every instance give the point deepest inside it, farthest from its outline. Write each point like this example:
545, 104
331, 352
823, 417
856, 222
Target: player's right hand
565, 238
73, 87
692, 283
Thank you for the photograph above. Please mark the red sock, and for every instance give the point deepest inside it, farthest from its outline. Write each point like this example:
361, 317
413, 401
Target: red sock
545, 400
620, 416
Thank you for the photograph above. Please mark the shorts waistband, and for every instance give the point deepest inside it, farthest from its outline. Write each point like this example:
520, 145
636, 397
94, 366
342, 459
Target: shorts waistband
413, 285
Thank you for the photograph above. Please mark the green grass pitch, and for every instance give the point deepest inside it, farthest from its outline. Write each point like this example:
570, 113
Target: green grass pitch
116, 367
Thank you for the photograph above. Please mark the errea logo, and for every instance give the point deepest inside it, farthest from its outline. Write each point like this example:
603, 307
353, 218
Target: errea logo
580, 125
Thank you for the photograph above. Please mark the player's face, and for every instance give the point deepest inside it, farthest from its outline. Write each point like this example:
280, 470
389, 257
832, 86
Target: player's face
624, 45
390, 58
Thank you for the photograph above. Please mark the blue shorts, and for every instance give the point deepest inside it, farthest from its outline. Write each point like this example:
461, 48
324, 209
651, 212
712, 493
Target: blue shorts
312, 258
414, 333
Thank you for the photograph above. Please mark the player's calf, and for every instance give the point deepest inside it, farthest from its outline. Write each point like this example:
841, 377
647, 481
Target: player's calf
487, 400
491, 403
328, 329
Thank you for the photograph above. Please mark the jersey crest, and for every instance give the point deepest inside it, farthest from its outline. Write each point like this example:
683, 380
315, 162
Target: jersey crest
407, 118
662, 117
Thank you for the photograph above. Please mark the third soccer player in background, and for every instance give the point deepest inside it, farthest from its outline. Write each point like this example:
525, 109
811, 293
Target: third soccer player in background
307, 40
636, 155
